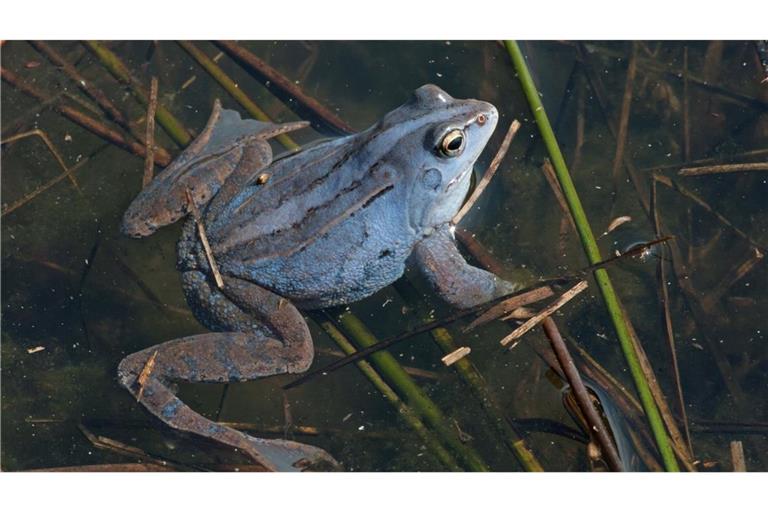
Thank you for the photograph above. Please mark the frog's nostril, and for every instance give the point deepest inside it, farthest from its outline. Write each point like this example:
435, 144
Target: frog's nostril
481, 119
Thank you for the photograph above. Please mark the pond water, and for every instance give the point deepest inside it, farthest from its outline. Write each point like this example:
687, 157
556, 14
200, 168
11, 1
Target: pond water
77, 296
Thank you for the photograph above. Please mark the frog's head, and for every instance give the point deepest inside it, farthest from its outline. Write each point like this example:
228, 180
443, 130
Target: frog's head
438, 139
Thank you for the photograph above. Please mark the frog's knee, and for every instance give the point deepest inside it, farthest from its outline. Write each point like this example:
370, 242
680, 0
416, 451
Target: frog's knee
301, 359
128, 372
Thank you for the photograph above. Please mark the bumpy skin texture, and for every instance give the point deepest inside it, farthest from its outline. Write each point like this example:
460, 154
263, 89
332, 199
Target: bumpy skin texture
329, 225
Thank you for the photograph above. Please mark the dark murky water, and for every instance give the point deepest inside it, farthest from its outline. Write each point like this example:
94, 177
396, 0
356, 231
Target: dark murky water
88, 296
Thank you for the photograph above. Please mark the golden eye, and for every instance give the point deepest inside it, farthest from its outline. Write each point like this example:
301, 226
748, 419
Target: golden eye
452, 143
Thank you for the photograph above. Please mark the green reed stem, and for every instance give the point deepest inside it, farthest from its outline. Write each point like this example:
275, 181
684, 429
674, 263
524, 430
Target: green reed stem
406, 412
415, 396
120, 71
232, 88
589, 244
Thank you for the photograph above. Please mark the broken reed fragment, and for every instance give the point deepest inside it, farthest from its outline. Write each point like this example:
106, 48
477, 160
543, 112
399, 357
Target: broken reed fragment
737, 457
204, 239
489, 173
717, 169
510, 306
144, 375
456, 355
59, 159
149, 161
539, 317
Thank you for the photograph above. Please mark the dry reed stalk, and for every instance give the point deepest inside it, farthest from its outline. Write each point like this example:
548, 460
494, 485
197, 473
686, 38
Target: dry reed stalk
724, 168
204, 239
489, 173
149, 161
539, 317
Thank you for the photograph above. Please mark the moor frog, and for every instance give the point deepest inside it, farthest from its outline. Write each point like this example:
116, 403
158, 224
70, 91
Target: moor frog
329, 225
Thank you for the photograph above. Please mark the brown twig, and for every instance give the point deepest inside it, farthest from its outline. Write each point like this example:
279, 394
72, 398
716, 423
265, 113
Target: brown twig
74, 115
718, 169
285, 89
549, 174
42, 188
149, 161
754, 153
204, 239
584, 401
492, 168
543, 314
40, 133
112, 445
134, 467
510, 305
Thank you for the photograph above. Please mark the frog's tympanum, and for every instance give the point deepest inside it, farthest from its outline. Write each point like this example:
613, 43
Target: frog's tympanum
328, 225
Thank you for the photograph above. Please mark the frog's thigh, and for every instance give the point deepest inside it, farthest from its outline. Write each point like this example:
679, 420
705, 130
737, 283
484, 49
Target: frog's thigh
246, 307
456, 281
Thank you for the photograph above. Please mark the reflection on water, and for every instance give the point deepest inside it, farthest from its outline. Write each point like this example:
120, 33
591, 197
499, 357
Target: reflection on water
77, 297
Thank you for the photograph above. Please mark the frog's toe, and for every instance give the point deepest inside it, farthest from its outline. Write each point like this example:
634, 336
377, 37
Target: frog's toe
292, 456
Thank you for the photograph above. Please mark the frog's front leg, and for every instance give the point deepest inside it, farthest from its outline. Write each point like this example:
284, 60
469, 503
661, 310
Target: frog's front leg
456, 281
229, 357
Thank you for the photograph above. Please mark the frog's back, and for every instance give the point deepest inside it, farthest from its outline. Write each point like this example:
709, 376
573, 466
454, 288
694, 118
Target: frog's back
324, 229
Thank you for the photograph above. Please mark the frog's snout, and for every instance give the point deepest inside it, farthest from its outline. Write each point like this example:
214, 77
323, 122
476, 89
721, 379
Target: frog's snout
134, 226
489, 116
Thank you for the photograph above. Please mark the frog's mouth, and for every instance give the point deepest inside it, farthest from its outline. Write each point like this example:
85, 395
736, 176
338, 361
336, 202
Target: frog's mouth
456, 179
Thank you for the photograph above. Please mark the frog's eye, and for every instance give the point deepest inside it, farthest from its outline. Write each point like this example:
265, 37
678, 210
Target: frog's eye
452, 143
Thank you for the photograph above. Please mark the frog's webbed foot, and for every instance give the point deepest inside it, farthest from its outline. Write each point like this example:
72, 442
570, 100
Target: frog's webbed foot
229, 357
456, 281
202, 168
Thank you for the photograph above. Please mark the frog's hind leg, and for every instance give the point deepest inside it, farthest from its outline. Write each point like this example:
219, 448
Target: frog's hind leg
229, 357
201, 169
